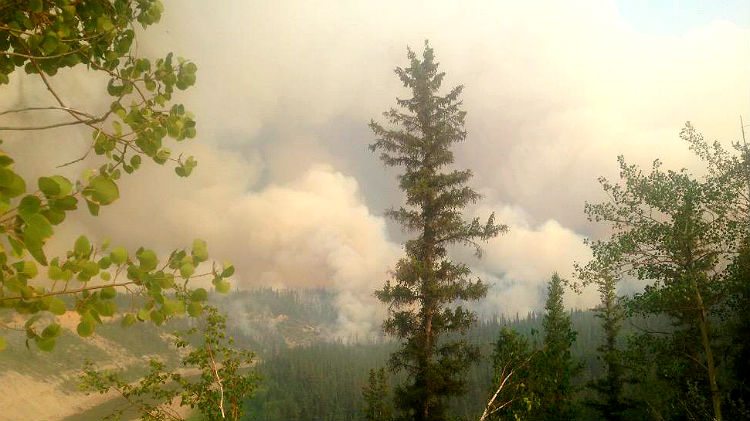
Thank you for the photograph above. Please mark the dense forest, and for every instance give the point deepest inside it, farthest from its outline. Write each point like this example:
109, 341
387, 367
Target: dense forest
304, 374
324, 381
160, 333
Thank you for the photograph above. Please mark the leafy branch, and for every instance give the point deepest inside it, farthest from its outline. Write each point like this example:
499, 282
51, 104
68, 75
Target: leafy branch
215, 377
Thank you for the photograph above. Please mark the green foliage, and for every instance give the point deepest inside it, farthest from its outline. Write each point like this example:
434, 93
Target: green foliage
304, 377
733, 171
39, 38
677, 232
555, 368
659, 373
610, 403
536, 382
739, 327
425, 283
513, 393
375, 395
223, 381
92, 277
323, 381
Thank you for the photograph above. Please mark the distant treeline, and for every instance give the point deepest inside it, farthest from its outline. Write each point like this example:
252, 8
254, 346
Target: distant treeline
324, 381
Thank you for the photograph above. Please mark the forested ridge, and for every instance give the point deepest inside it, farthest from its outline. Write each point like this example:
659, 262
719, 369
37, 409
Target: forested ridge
338, 371
318, 378
309, 376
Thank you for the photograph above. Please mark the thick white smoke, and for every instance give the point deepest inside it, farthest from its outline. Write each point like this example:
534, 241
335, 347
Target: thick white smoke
286, 189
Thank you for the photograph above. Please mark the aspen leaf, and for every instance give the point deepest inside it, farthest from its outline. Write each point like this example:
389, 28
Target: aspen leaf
11, 184
56, 306
147, 259
195, 309
108, 293
200, 251
118, 255
85, 328
45, 344
128, 320
187, 270
200, 294
51, 331
102, 190
222, 286
82, 246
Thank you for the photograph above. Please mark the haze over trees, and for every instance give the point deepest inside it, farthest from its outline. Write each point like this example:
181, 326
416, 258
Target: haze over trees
668, 341
683, 235
610, 387
535, 381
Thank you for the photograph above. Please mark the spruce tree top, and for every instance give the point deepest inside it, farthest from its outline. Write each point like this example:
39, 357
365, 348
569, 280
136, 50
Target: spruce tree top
421, 144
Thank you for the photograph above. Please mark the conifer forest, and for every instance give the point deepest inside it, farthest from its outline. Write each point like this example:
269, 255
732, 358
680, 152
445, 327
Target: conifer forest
374, 211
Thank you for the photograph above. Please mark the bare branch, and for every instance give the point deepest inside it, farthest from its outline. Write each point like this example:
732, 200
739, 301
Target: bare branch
218, 380
70, 110
32, 57
489, 409
49, 126
70, 291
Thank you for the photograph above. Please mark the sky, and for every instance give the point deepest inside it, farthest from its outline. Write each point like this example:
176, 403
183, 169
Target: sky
679, 16
287, 190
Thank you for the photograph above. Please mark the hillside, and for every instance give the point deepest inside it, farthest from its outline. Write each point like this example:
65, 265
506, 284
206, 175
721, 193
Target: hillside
306, 375
44, 387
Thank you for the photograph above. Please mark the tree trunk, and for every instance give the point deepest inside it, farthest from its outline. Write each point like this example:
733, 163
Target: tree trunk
428, 360
710, 365
428, 300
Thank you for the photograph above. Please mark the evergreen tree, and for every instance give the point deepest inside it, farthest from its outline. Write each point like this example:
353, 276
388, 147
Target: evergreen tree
555, 369
610, 387
425, 286
375, 395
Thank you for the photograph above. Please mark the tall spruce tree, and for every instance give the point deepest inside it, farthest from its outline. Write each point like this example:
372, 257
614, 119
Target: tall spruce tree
375, 395
610, 388
556, 368
425, 284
